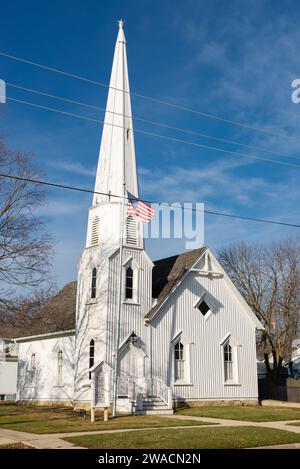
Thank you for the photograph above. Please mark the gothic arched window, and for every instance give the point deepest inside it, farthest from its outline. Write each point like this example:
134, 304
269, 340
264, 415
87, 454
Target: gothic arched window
94, 283
91, 356
95, 232
33, 362
179, 361
228, 362
129, 284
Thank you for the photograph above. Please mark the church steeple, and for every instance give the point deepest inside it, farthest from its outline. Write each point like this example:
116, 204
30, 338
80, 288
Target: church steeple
117, 164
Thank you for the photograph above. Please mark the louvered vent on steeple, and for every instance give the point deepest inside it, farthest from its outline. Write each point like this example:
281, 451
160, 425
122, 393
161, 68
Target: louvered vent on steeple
131, 231
95, 232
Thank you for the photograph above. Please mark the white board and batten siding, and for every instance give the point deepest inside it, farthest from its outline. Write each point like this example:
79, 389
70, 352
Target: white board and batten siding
133, 312
42, 382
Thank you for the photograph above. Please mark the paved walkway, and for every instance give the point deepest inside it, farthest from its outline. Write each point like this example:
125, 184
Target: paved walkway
55, 440
279, 425
51, 441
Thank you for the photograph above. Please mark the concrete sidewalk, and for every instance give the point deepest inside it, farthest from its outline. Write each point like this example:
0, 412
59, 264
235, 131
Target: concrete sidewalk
279, 425
50, 441
55, 440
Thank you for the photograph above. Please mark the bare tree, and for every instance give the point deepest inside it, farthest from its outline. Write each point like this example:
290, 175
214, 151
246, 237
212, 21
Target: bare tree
26, 315
25, 247
268, 277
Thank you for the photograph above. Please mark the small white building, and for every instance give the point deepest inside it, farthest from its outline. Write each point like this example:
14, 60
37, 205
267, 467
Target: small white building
181, 332
8, 370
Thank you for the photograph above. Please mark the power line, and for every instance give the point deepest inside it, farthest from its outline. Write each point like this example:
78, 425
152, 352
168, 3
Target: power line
90, 191
152, 134
159, 124
149, 98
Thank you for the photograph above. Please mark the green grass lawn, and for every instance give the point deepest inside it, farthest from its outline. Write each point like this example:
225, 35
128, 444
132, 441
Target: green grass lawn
34, 419
189, 438
247, 413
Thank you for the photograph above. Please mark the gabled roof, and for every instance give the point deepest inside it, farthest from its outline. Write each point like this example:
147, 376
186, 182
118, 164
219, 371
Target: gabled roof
170, 271
167, 272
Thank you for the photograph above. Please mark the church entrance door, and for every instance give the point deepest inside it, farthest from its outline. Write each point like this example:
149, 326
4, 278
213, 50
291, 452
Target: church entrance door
131, 370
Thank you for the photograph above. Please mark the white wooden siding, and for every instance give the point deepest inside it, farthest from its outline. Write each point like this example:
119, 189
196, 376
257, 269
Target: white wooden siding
205, 335
132, 314
44, 386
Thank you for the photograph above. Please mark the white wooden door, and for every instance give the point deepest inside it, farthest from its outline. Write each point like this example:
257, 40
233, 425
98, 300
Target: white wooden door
131, 368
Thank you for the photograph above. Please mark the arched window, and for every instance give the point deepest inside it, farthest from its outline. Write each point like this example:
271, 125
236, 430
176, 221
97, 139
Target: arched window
91, 356
94, 283
59, 366
179, 361
95, 232
33, 362
129, 284
131, 231
228, 363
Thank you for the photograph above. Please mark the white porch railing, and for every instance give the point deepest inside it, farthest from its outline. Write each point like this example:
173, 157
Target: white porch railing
155, 387
158, 388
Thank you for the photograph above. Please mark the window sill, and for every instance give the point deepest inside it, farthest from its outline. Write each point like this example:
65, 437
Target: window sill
92, 302
232, 383
131, 303
208, 315
58, 386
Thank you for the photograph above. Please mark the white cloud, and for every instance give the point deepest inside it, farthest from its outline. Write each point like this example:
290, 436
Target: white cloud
62, 207
200, 184
73, 167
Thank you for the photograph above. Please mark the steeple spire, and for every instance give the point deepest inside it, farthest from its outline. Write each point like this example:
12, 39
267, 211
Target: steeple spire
117, 163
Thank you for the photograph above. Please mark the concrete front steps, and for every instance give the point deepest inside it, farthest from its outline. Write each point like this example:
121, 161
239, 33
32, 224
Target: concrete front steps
154, 406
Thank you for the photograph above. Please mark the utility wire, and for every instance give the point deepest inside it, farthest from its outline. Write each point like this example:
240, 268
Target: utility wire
210, 212
151, 122
152, 134
149, 98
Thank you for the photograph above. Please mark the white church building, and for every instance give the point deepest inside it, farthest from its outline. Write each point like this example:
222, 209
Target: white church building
147, 334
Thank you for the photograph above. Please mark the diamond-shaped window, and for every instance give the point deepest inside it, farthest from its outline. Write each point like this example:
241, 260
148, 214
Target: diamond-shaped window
203, 307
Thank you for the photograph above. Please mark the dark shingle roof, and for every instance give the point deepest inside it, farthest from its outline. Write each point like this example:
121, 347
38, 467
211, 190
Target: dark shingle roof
167, 272
58, 315
60, 312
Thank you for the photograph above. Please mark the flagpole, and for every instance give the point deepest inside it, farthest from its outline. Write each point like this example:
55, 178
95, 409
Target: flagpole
115, 387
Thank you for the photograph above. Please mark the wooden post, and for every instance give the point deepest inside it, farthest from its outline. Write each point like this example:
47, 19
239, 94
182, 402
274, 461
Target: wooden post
106, 411
92, 414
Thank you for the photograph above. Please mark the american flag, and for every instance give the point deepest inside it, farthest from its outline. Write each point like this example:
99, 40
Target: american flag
139, 208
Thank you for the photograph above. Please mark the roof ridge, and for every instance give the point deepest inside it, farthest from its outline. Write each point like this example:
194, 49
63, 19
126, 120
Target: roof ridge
181, 254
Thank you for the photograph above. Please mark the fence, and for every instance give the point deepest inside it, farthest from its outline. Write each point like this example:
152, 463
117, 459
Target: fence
286, 390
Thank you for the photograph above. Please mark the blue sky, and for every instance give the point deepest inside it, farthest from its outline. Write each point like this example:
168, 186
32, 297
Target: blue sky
233, 59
